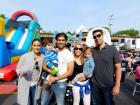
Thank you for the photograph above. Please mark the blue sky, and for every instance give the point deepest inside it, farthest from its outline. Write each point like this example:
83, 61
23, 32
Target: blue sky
64, 15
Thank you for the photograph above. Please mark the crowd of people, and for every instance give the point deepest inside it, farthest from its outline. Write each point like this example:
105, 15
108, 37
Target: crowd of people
131, 63
93, 73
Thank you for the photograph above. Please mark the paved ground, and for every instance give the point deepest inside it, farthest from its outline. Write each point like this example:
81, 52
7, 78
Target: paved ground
125, 97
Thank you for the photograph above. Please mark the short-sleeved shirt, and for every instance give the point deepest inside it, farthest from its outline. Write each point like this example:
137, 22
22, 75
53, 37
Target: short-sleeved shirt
105, 60
64, 57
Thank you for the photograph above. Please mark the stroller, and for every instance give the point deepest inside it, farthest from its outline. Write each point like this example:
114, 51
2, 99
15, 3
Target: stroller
69, 95
124, 65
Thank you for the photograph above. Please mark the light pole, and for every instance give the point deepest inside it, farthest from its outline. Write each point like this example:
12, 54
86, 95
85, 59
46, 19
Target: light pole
110, 23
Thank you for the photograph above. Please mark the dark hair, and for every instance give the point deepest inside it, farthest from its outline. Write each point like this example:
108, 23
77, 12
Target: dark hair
36, 40
129, 55
47, 41
61, 34
98, 30
88, 48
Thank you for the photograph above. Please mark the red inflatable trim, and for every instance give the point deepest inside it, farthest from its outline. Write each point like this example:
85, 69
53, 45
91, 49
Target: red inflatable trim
22, 12
8, 72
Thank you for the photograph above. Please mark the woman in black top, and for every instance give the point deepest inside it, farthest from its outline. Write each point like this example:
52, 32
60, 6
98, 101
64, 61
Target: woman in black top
78, 61
77, 82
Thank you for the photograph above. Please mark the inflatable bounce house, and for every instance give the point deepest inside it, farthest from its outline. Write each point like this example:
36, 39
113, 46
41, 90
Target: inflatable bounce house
15, 40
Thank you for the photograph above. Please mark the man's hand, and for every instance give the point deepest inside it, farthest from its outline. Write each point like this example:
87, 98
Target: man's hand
51, 79
115, 90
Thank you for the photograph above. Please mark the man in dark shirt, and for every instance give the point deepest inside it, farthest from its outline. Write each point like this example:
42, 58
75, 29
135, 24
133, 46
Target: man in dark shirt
105, 81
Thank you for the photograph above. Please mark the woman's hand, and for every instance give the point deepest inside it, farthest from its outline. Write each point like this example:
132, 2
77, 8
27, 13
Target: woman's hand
21, 74
82, 78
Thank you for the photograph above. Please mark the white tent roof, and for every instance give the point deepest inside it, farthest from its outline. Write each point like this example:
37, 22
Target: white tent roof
81, 28
90, 41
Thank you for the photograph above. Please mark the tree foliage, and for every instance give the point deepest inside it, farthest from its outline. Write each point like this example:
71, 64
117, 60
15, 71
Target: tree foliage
2, 15
130, 32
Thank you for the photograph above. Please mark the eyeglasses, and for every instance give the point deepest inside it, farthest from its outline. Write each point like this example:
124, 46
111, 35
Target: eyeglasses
76, 48
99, 35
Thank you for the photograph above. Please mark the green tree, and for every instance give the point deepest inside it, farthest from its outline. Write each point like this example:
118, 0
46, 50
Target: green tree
130, 32
2, 15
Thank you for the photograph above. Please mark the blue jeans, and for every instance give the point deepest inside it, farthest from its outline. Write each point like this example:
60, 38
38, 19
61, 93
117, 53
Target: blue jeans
59, 89
46, 96
31, 100
101, 95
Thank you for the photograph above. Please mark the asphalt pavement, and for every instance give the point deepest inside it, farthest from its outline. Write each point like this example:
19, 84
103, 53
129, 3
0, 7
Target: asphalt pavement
125, 97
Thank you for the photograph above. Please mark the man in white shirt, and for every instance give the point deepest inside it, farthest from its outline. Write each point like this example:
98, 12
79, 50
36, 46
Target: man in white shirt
65, 66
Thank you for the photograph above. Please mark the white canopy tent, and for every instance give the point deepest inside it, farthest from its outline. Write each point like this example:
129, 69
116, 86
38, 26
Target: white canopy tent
90, 41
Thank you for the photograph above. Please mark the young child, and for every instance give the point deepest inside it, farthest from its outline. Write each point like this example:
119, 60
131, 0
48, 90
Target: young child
50, 58
88, 65
83, 85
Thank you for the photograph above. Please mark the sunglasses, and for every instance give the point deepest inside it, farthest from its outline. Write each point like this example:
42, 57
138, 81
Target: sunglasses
99, 35
36, 65
61, 40
76, 48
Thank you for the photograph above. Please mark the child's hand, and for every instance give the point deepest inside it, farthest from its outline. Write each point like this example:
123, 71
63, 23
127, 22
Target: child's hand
54, 71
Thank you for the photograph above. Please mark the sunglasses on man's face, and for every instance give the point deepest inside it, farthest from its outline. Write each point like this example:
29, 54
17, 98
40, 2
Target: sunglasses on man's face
99, 35
76, 48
